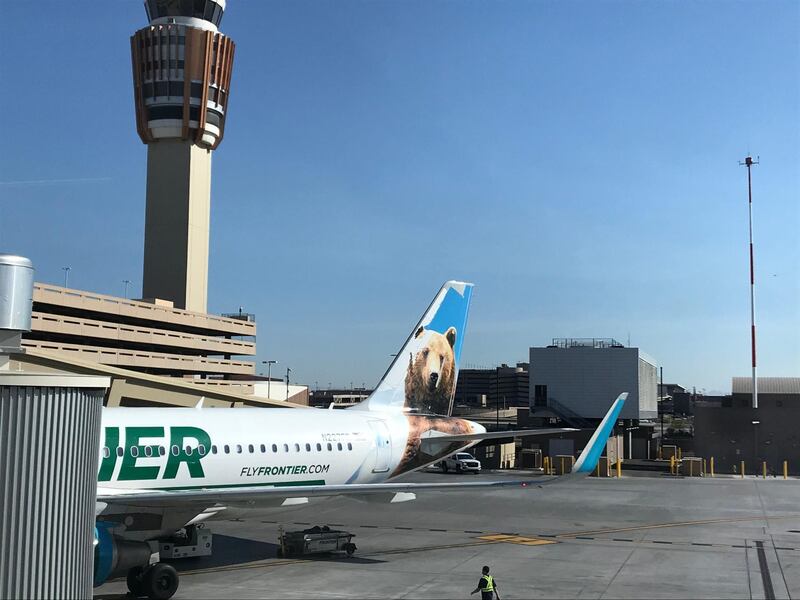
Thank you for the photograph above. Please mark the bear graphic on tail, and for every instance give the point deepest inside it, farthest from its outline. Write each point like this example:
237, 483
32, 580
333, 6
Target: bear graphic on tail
431, 377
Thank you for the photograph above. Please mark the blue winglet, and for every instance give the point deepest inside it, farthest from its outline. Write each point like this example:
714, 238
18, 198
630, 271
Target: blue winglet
587, 461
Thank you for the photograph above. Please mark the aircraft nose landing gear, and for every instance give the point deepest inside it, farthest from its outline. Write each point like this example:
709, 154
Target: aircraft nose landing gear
157, 582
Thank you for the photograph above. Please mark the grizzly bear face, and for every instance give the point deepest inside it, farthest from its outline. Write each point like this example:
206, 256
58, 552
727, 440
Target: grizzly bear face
430, 378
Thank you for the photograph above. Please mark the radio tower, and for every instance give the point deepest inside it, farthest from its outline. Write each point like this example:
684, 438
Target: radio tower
749, 162
181, 80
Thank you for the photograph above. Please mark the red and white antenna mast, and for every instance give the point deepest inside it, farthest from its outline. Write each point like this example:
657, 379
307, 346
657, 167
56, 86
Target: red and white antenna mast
749, 162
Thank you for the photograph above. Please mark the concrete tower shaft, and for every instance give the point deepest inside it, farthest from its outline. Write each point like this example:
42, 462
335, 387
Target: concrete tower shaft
182, 70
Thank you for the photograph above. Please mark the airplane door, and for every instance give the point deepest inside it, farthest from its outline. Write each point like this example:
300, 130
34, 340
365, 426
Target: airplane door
383, 446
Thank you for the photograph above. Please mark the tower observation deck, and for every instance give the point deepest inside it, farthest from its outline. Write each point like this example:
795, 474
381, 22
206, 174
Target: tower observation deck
182, 69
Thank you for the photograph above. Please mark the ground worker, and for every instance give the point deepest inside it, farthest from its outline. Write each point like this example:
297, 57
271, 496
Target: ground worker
486, 586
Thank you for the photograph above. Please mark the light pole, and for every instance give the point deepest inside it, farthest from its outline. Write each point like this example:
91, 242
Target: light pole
749, 162
269, 364
127, 282
66, 275
288, 370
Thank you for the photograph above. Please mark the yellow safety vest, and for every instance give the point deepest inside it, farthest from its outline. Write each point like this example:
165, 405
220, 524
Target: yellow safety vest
489, 584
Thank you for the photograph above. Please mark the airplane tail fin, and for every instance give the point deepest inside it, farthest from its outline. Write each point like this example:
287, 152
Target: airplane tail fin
587, 461
422, 376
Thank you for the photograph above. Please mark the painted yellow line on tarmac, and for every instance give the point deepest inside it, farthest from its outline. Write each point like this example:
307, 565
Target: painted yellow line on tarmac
517, 539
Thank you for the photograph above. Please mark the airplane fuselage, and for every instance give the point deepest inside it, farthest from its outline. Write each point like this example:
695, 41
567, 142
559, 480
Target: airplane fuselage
180, 448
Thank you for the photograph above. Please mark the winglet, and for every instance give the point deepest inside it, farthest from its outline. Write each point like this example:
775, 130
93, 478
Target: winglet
587, 461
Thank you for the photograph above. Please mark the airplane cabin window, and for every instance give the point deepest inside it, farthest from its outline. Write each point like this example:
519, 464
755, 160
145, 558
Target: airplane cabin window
308, 447
162, 451
319, 447
339, 446
106, 452
213, 448
201, 450
238, 448
251, 449
175, 450
148, 451
274, 447
188, 450
227, 449
286, 447
134, 451
297, 447
349, 446
263, 448
120, 451
330, 447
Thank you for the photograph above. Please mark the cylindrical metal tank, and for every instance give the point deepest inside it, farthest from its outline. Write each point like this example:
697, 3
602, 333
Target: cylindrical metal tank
49, 440
49, 448
16, 292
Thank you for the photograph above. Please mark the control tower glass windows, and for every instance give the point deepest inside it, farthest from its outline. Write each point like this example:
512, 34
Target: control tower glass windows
208, 10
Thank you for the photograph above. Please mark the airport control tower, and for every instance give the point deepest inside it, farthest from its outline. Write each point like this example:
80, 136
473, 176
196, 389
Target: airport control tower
181, 80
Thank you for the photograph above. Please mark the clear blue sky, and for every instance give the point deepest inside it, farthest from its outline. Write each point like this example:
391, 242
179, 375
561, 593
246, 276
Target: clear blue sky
576, 160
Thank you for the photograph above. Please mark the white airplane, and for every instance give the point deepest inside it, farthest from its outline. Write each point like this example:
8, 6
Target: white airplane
165, 469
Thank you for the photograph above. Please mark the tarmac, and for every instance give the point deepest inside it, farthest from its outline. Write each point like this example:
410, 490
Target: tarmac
655, 536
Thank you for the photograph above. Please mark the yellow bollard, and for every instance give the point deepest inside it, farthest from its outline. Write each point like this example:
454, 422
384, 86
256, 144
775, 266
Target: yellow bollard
786, 469
545, 465
619, 467
660, 453
562, 466
764, 469
711, 466
672, 465
741, 464
704, 467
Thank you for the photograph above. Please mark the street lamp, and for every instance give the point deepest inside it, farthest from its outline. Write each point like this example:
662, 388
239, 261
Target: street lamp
127, 282
269, 364
66, 275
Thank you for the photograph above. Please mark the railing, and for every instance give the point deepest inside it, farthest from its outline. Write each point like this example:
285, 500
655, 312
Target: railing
60, 296
568, 415
90, 328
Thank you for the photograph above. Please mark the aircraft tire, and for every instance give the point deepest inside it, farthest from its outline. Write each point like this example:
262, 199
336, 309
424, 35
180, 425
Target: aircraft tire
160, 581
135, 583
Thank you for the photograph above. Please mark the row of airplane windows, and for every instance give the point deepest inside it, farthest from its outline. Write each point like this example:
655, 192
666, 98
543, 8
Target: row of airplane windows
149, 451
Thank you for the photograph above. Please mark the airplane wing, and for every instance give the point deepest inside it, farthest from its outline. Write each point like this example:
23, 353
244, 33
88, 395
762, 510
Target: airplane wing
257, 494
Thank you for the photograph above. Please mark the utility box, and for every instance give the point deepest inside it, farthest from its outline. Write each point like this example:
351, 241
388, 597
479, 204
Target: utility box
691, 467
562, 463
603, 468
531, 458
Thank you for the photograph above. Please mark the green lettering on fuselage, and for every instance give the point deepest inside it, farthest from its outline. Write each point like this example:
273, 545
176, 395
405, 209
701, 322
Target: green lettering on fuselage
109, 462
129, 471
177, 437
